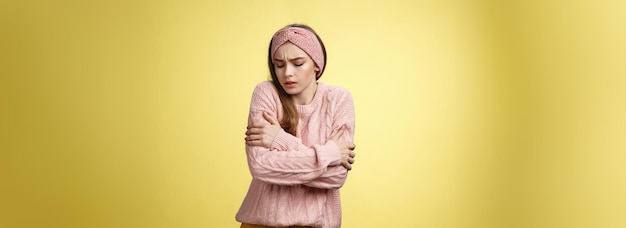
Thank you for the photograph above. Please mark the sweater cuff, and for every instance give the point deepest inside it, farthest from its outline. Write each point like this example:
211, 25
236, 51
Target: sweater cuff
330, 152
285, 141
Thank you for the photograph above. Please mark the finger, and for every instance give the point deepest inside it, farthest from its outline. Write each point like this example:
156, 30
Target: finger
352, 146
254, 143
257, 125
271, 119
351, 160
348, 166
254, 137
352, 154
254, 131
338, 134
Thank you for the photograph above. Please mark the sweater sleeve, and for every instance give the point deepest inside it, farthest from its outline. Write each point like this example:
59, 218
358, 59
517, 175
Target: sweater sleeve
334, 176
342, 110
342, 115
297, 164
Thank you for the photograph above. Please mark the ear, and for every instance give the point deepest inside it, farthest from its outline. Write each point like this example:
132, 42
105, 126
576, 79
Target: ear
317, 69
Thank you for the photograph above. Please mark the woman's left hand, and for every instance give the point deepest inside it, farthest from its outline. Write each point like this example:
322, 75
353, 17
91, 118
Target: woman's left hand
262, 134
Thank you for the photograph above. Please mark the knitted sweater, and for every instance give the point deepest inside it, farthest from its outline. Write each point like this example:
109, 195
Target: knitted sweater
297, 180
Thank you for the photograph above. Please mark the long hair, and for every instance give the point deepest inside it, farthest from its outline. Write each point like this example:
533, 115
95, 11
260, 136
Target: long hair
289, 122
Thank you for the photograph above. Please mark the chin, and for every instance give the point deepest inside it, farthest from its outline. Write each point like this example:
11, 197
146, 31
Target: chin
292, 91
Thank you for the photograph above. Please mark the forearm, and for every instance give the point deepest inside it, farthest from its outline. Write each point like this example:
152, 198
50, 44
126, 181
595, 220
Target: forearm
285, 141
292, 167
333, 178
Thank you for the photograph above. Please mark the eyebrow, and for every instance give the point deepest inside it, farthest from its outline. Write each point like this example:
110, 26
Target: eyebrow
294, 59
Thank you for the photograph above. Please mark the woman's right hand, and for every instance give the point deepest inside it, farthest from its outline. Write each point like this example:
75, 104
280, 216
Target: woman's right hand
263, 134
346, 149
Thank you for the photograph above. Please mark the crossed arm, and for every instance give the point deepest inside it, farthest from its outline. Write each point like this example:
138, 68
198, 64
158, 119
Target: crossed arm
318, 166
263, 134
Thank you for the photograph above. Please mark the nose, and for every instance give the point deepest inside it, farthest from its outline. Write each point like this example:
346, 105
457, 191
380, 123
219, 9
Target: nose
289, 70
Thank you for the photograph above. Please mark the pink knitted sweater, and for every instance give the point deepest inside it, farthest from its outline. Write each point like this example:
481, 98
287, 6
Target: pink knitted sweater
297, 180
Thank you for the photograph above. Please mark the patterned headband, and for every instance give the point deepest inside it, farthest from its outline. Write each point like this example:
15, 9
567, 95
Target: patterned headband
305, 40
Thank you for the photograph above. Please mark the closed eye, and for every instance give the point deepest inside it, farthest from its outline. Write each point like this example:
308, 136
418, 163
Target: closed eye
298, 61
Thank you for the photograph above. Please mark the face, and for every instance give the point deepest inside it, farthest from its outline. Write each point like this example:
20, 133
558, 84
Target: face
296, 72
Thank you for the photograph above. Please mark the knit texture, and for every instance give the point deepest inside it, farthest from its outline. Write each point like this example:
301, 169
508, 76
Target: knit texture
305, 40
297, 180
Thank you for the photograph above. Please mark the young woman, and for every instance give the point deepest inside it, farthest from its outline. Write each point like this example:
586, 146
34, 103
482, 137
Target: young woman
299, 140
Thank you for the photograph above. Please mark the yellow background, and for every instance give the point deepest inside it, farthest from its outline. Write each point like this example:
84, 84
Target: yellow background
469, 113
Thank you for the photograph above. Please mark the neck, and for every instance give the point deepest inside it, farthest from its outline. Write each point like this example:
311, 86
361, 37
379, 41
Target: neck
306, 96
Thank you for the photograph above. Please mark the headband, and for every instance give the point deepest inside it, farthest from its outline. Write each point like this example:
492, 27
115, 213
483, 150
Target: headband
305, 40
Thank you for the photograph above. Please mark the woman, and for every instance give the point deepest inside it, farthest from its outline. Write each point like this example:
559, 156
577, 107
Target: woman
298, 163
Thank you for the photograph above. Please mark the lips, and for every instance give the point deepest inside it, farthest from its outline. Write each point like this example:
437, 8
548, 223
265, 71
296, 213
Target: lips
290, 84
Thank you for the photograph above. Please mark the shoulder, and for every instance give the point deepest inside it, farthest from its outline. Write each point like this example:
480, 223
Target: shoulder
340, 102
337, 92
264, 94
265, 89
265, 86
